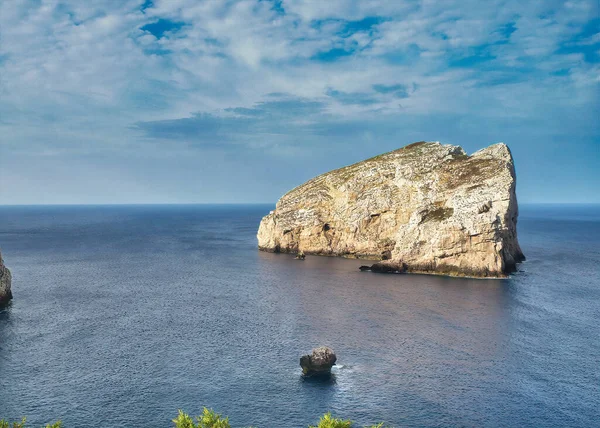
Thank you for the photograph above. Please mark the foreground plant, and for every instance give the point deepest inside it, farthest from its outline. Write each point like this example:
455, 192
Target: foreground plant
328, 421
5, 424
209, 419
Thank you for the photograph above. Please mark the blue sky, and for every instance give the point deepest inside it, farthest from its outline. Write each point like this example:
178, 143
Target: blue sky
185, 101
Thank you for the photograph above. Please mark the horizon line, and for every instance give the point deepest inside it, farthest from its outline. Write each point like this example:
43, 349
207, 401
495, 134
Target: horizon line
221, 203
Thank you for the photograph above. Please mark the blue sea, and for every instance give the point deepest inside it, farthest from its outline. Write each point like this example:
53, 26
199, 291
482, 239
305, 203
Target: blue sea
124, 314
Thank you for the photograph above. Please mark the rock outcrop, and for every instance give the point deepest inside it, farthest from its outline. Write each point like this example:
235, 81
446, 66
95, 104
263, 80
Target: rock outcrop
319, 362
429, 207
386, 266
5, 281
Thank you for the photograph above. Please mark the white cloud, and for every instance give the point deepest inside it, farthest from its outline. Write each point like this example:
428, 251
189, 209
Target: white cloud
235, 53
77, 76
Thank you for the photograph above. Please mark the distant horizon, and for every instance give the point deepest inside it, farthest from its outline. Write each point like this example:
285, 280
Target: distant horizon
228, 203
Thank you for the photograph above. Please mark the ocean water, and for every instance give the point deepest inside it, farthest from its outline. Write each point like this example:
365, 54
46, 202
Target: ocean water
122, 315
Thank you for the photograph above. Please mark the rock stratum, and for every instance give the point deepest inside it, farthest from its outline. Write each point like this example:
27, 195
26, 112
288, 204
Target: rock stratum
429, 207
5, 280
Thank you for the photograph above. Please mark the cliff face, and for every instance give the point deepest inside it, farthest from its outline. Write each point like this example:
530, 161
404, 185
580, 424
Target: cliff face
428, 205
5, 280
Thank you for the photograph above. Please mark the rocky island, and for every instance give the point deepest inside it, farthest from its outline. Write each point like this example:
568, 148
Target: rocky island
427, 207
5, 280
318, 362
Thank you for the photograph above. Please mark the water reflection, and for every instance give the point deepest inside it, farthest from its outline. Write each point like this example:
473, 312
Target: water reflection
319, 379
427, 332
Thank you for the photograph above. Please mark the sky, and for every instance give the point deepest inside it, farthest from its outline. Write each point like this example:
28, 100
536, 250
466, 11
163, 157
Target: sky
190, 101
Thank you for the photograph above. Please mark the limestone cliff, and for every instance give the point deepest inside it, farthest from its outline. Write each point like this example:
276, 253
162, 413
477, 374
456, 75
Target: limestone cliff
428, 205
5, 280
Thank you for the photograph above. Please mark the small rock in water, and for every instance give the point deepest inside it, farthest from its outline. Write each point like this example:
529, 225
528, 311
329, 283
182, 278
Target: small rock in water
386, 266
300, 256
319, 362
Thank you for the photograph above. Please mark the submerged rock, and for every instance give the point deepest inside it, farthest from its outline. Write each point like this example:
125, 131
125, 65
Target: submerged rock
319, 362
5, 282
427, 205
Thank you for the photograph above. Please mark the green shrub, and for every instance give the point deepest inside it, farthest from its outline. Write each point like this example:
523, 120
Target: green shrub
328, 421
5, 424
183, 420
209, 419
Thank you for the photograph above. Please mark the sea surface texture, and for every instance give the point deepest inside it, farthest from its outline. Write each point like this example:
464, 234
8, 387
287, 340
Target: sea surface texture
122, 315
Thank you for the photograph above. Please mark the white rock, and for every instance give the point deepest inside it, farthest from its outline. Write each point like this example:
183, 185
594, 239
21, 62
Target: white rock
433, 207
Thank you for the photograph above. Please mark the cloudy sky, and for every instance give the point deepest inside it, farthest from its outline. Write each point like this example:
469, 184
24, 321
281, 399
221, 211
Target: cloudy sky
177, 101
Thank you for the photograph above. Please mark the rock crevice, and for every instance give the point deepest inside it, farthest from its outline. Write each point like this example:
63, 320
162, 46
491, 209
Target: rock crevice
427, 205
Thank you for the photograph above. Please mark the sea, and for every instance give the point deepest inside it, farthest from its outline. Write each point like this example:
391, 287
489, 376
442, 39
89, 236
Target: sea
122, 315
